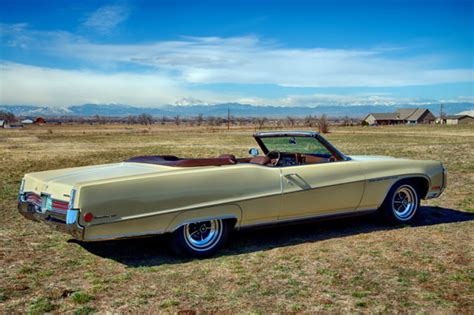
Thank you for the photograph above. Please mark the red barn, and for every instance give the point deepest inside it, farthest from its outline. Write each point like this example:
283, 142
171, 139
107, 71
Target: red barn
39, 121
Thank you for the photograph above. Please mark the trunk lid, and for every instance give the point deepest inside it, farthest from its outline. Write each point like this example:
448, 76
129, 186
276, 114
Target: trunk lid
59, 183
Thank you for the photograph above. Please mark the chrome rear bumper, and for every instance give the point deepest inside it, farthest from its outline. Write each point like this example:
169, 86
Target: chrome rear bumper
54, 221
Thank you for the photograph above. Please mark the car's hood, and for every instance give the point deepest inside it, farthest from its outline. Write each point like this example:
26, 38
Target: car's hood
370, 157
60, 182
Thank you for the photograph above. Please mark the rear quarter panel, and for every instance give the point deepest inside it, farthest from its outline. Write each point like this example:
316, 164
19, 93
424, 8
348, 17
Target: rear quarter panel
381, 175
160, 203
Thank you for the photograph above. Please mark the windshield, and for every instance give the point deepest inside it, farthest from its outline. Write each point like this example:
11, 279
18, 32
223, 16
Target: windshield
292, 144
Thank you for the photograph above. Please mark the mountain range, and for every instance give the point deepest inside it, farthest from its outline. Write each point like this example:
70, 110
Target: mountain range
236, 109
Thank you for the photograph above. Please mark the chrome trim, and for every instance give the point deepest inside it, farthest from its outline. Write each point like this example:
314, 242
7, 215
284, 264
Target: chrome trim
201, 219
72, 199
263, 134
204, 237
310, 218
108, 237
409, 176
312, 134
42, 207
75, 230
21, 190
445, 179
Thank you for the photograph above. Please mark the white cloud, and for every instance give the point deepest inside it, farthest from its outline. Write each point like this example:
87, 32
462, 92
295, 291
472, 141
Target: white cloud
106, 18
337, 99
248, 60
23, 84
168, 68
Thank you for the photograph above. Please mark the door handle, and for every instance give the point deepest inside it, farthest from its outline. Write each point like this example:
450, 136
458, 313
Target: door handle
290, 179
294, 178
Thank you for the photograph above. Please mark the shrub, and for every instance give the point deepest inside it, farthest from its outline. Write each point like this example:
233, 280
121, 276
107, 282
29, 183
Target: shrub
323, 124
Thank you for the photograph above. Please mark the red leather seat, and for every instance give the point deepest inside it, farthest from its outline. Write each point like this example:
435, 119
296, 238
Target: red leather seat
261, 160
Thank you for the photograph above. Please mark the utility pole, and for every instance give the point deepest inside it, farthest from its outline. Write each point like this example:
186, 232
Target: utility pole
441, 113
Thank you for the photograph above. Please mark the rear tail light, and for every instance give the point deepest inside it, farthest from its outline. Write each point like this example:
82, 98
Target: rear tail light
88, 217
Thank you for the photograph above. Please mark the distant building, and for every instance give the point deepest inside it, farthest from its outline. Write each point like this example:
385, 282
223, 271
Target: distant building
382, 119
39, 121
459, 119
27, 121
4, 123
409, 116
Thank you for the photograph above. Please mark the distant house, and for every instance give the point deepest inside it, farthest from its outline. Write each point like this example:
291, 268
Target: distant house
27, 121
382, 119
402, 116
458, 119
39, 121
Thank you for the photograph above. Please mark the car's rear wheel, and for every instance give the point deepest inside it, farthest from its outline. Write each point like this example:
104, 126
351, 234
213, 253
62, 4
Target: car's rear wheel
200, 239
402, 203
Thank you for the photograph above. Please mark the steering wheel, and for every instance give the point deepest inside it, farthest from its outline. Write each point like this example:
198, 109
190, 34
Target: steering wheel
274, 160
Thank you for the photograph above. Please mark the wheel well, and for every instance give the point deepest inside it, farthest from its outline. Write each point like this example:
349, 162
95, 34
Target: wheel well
421, 185
232, 222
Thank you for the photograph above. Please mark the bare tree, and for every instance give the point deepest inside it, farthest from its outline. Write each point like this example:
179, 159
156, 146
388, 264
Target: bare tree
309, 121
261, 121
177, 120
230, 120
290, 121
211, 120
323, 124
241, 121
220, 121
145, 119
98, 119
199, 119
131, 120
347, 121
163, 120
279, 123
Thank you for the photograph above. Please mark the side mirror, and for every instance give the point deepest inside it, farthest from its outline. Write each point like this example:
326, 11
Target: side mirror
253, 151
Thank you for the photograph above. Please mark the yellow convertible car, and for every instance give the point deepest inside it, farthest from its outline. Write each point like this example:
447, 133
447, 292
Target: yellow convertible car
299, 176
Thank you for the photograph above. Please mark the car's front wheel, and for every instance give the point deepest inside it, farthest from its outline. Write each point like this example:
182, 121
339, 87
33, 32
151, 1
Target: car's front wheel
401, 204
200, 239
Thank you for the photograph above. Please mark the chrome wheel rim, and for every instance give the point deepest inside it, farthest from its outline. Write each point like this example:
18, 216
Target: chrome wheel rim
404, 202
204, 235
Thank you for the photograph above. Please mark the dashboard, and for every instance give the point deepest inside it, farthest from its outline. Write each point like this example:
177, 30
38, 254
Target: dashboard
292, 159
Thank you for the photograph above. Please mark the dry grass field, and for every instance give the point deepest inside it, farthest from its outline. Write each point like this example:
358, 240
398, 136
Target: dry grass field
348, 265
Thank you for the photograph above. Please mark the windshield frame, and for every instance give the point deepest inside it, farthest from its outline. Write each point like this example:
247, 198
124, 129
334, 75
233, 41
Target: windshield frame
316, 136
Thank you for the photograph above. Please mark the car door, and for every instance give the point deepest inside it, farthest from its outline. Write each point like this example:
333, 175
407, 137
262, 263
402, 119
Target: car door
320, 189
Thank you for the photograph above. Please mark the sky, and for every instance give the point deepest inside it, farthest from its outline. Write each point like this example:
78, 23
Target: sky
287, 53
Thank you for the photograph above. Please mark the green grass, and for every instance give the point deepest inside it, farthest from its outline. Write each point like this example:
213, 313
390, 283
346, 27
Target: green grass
81, 297
41, 305
345, 266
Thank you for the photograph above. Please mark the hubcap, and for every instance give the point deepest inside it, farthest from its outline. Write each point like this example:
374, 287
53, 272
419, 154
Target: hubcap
203, 235
404, 202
